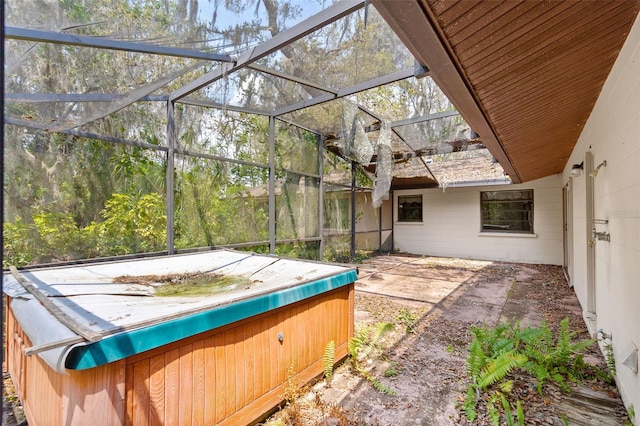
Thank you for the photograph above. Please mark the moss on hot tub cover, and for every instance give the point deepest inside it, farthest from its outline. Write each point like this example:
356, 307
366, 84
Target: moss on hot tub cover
126, 344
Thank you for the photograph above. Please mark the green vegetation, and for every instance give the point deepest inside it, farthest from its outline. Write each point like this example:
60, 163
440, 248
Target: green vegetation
105, 189
328, 359
306, 411
609, 376
201, 286
496, 352
408, 319
127, 224
188, 284
364, 345
340, 255
392, 371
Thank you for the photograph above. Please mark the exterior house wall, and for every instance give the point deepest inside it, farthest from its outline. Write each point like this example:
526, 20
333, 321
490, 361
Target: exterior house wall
612, 134
451, 225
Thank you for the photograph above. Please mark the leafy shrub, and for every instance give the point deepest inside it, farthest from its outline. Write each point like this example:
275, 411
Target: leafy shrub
494, 353
129, 225
18, 240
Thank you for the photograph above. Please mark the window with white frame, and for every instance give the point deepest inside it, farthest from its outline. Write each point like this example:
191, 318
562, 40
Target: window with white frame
507, 211
410, 208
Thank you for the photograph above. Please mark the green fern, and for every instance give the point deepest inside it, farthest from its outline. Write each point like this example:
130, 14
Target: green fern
489, 336
492, 411
560, 380
539, 371
503, 344
367, 339
328, 359
557, 361
354, 346
508, 413
361, 346
530, 334
382, 388
359, 341
469, 404
580, 346
520, 413
495, 352
498, 368
491, 358
507, 386
374, 382
507, 410
476, 360
379, 330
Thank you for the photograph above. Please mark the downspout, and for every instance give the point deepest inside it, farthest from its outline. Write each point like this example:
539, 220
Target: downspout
591, 243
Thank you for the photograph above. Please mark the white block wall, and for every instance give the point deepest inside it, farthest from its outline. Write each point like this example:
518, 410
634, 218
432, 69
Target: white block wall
451, 225
612, 133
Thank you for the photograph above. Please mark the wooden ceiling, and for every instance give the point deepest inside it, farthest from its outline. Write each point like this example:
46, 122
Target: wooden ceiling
524, 74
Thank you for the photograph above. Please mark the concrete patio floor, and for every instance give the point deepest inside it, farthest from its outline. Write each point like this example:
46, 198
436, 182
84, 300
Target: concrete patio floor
448, 296
434, 283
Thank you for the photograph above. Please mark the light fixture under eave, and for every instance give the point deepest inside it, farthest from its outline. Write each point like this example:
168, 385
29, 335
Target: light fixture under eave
576, 170
594, 173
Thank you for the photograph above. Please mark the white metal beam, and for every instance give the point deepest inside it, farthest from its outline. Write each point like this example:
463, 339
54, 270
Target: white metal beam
370, 84
42, 36
331, 14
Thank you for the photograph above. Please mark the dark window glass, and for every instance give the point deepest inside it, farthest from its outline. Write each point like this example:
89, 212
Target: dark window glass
409, 208
507, 211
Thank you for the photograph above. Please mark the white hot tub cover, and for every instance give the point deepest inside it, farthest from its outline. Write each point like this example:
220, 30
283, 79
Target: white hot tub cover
130, 319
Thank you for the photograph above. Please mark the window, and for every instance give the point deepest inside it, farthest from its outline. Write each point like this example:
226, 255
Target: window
507, 211
409, 208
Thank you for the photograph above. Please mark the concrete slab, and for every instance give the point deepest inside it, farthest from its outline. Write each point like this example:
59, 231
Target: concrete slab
430, 362
468, 291
420, 289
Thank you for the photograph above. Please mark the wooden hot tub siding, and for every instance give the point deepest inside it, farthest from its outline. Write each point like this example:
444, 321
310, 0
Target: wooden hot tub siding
230, 375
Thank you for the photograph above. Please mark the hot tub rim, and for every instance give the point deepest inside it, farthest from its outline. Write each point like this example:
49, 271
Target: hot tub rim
129, 343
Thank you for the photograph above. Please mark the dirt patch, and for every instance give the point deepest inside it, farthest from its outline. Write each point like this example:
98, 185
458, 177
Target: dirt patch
12, 411
188, 284
432, 303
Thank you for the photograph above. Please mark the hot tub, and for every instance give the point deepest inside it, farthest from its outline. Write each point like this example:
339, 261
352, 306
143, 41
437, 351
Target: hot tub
106, 343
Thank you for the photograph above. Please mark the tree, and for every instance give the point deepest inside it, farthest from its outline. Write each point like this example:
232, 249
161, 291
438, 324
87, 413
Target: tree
81, 183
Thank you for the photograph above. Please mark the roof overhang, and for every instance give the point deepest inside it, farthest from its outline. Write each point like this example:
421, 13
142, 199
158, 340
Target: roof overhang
524, 75
413, 183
